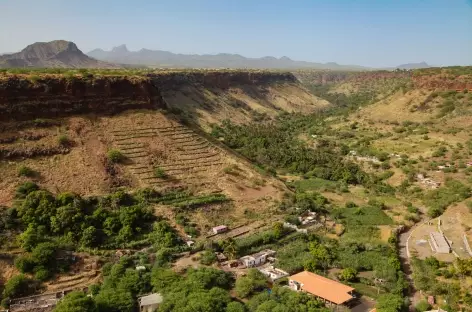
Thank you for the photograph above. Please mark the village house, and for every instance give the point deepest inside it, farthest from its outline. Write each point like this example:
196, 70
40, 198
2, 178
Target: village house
330, 291
150, 303
257, 259
220, 229
273, 273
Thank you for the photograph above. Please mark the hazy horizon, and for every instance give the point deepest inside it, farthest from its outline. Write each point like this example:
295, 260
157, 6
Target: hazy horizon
367, 33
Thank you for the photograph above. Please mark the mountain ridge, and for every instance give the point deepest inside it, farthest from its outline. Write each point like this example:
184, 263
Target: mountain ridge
121, 54
57, 53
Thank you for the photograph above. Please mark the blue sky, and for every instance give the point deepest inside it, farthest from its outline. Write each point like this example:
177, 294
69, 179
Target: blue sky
364, 32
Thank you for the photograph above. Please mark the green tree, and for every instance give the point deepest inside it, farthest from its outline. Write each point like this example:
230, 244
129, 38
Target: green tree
44, 254
89, 237
115, 300
76, 301
278, 229
19, 286
390, 303
30, 237
235, 307
321, 255
348, 275
164, 280
422, 306
249, 284
24, 189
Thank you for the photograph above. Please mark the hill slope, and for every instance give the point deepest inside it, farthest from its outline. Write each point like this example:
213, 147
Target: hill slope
58, 53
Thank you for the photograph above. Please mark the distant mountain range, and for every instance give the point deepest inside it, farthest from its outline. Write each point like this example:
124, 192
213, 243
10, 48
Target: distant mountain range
157, 58
58, 53
413, 65
66, 54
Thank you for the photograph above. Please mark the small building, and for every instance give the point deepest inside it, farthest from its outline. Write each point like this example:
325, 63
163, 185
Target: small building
220, 229
257, 259
140, 268
150, 303
190, 243
439, 243
220, 256
331, 292
273, 273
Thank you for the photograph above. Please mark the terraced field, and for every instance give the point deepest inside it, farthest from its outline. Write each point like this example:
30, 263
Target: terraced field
181, 156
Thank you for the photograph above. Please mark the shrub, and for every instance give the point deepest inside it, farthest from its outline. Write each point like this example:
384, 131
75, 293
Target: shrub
24, 171
63, 140
160, 173
191, 230
115, 156
24, 264
422, 306
42, 274
208, 257
24, 189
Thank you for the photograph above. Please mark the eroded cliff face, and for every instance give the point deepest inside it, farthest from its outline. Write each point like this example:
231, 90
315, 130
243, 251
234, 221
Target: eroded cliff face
22, 98
219, 79
420, 81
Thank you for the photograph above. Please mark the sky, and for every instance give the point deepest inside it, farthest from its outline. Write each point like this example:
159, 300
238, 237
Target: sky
375, 33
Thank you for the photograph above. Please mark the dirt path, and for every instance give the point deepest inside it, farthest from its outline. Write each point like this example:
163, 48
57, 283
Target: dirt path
405, 257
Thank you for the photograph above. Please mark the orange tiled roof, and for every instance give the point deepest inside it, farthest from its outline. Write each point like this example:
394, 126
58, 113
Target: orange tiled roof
323, 287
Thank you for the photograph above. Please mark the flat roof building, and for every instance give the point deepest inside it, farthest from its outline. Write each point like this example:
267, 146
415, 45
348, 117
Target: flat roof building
150, 303
439, 243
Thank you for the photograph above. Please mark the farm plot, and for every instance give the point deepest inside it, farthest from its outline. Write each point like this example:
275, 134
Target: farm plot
168, 156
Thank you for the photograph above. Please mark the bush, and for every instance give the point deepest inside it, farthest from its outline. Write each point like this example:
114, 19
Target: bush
208, 257
24, 189
160, 173
63, 140
42, 274
422, 306
24, 171
24, 264
115, 156
76, 301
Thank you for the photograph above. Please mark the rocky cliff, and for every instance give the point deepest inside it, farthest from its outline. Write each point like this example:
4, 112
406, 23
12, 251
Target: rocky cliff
25, 97
21, 98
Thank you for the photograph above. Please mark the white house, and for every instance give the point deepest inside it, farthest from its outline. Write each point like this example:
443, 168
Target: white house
220, 229
257, 259
150, 303
273, 273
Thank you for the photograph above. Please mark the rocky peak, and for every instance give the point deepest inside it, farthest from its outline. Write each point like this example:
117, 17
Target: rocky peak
120, 49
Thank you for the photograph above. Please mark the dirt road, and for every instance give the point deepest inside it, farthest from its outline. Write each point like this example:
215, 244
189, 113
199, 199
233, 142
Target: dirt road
405, 258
